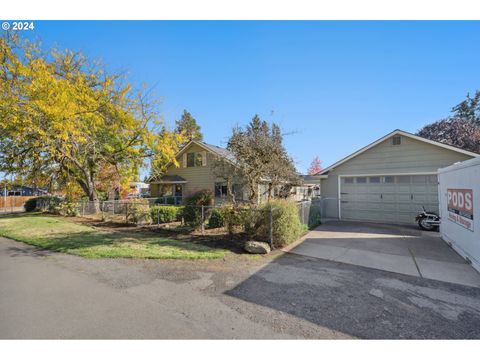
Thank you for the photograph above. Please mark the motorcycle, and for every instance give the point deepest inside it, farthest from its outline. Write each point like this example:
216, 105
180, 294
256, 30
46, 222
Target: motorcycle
428, 220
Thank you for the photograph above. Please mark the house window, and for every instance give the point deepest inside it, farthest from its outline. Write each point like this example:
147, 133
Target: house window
178, 190
195, 159
190, 159
198, 159
405, 179
361, 180
397, 140
221, 190
166, 190
389, 179
348, 180
432, 179
374, 179
419, 179
238, 191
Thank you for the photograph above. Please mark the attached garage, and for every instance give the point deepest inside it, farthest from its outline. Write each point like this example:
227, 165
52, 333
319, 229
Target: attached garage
389, 180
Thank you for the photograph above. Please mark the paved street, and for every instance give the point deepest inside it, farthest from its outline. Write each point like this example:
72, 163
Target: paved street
44, 295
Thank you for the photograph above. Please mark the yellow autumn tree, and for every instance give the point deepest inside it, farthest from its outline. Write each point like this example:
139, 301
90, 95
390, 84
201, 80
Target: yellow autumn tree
63, 115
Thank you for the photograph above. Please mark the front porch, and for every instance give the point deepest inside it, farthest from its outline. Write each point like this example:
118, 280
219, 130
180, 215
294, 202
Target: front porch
169, 190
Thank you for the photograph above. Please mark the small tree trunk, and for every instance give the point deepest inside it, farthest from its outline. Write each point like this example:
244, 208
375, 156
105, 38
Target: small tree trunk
253, 196
93, 196
231, 195
270, 190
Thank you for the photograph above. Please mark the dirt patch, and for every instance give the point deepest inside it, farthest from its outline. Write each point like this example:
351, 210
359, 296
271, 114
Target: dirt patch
214, 238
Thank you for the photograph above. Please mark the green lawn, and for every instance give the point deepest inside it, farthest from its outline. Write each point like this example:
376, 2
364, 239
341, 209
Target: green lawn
60, 234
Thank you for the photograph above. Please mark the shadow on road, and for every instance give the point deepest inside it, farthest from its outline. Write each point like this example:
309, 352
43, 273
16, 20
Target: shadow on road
363, 302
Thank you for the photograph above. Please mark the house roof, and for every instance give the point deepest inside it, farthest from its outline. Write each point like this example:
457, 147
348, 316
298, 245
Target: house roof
396, 132
220, 151
310, 178
217, 150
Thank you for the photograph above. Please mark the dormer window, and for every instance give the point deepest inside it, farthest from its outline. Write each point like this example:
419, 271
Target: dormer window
396, 140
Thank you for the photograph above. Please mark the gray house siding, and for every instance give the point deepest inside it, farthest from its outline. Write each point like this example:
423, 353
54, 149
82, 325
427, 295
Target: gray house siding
410, 157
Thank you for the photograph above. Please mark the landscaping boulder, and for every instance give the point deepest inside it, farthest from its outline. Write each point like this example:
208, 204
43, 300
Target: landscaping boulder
257, 247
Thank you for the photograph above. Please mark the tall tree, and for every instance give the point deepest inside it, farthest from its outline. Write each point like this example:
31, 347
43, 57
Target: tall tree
469, 109
260, 156
226, 170
280, 168
315, 166
459, 132
171, 143
188, 127
62, 115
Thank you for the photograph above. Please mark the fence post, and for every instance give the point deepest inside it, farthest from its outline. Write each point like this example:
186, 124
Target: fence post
203, 220
158, 216
303, 212
271, 228
126, 212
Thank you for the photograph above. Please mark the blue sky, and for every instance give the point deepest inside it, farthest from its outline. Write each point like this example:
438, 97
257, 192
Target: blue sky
335, 86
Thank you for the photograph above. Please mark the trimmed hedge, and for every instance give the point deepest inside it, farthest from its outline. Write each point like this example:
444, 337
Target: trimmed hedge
287, 226
165, 213
192, 210
240, 216
138, 213
30, 204
47, 203
216, 219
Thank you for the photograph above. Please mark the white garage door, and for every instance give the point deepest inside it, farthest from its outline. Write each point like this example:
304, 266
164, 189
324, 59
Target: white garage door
387, 198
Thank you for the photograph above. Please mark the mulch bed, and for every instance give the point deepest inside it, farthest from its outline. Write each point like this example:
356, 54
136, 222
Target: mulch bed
215, 238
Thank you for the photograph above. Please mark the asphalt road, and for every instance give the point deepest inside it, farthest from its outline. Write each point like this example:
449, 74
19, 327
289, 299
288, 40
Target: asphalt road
57, 296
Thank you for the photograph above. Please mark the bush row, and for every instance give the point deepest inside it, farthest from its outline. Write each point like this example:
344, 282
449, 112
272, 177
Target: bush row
279, 218
165, 213
51, 204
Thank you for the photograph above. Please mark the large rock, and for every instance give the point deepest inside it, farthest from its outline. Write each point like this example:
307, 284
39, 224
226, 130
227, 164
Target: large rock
257, 247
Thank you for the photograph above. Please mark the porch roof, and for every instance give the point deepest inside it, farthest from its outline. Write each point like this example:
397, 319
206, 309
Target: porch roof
170, 179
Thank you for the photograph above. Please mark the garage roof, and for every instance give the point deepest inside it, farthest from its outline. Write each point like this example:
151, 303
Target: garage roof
396, 132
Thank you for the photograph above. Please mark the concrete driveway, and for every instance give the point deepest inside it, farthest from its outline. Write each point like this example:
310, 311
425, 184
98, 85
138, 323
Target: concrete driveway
399, 249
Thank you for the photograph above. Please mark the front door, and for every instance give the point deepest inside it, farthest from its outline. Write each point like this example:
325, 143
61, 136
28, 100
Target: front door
178, 190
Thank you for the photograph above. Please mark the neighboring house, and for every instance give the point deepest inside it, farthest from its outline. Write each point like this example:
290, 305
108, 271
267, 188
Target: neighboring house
196, 173
22, 190
310, 188
388, 180
138, 189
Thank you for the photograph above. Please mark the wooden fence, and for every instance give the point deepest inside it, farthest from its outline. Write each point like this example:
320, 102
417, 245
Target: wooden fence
13, 201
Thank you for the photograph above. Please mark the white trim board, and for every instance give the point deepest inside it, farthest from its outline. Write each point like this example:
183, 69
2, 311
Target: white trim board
393, 133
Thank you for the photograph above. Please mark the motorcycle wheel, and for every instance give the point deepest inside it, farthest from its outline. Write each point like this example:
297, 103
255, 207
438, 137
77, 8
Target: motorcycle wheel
424, 225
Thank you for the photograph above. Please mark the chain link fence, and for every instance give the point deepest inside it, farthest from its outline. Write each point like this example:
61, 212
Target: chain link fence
155, 212
310, 212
